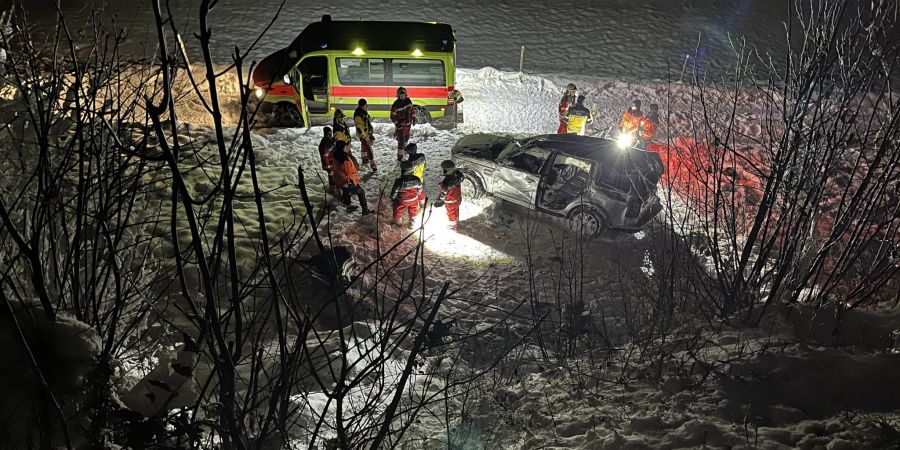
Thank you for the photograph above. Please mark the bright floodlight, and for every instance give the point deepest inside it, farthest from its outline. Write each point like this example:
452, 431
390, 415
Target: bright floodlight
624, 141
260, 92
358, 51
417, 52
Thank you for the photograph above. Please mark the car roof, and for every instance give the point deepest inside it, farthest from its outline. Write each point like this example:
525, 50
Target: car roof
604, 150
374, 35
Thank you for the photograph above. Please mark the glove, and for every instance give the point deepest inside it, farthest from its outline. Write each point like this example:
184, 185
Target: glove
438, 203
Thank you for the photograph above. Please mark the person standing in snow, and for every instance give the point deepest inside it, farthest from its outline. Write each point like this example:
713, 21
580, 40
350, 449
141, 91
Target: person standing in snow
568, 99
326, 147
406, 193
631, 119
648, 126
347, 178
403, 115
342, 133
365, 133
578, 117
451, 192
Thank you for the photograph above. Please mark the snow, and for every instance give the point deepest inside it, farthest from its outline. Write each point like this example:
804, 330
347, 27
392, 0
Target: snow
488, 260
614, 51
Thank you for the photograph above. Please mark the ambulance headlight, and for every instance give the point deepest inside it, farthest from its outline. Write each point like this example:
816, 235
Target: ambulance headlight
260, 92
624, 141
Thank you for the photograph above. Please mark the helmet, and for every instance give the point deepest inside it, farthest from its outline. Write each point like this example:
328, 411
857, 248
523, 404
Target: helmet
412, 147
401, 90
326, 130
338, 114
362, 102
406, 167
448, 167
571, 87
636, 103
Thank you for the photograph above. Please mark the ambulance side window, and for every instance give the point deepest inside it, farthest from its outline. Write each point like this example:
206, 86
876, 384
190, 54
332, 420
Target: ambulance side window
360, 71
417, 72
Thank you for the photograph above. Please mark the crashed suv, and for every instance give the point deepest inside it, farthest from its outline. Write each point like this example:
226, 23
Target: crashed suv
593, 182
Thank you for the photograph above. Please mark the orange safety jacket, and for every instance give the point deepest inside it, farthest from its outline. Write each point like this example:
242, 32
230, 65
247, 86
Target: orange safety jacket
630, 121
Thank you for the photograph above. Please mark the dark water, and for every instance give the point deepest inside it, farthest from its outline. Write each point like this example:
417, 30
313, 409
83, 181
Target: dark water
613, 38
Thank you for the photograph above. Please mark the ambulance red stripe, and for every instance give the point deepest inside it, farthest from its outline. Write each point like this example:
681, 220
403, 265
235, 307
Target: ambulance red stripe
379, 91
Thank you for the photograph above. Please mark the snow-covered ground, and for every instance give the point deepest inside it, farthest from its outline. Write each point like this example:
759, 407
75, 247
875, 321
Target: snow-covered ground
797, 397
488, 260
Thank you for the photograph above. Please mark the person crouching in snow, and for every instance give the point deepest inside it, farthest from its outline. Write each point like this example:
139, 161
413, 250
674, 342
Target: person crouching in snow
568, 99
364, 132
403, 115
326, 147
578, 117
648, 126
347, 178
631, 119
406, 193
451, 193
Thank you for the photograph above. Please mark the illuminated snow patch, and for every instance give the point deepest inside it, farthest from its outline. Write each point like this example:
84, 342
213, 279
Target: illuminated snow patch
440, 239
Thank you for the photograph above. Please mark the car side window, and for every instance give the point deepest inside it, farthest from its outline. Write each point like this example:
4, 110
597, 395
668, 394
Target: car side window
527, 159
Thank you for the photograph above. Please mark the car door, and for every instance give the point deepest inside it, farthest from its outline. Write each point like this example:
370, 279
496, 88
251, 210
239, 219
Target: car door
566, 179
518, 174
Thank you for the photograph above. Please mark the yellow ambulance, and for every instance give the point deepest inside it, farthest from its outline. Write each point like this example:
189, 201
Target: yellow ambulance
332, 64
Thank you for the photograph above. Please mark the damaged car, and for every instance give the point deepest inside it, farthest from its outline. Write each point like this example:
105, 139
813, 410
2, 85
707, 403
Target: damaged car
593, 182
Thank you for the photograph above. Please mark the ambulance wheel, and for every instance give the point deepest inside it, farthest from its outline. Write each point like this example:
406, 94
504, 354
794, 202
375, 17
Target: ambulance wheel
587, 222
287, 114
422, 115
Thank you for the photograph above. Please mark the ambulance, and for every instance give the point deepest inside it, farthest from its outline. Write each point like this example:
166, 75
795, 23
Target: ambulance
332, 64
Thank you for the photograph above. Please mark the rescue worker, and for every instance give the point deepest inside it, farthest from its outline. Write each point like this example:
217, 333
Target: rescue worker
578, 117
326, 147
365, 133
347, 178
417, 161
631, 118
403, 115
406, 193
568, 99
648, 126
451, 192
342, 133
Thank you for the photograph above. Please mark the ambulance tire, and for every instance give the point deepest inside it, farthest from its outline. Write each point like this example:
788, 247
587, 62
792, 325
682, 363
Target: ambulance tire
422, 115
287, 115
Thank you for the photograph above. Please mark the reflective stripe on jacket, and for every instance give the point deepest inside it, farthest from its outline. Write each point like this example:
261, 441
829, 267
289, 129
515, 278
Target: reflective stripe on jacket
363, 124
451, 187
577, 119
341, 132
403, 113
407, 189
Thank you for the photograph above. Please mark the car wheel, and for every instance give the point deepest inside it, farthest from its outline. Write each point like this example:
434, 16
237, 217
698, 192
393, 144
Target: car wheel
587, 222
287, 114
422, 115
471, 187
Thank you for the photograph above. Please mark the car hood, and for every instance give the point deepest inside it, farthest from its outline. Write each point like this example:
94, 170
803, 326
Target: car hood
481, 146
